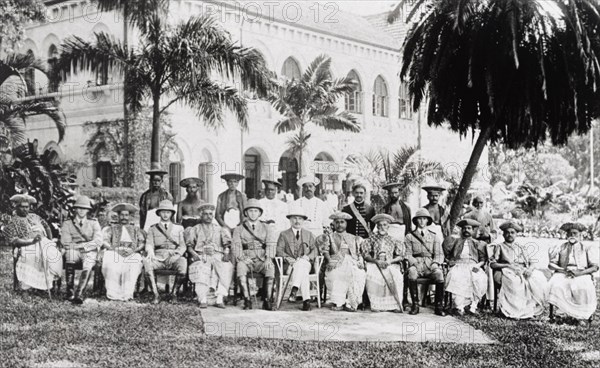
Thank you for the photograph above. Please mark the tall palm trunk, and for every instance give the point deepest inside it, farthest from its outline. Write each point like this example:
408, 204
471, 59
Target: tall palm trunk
155, 147
467, 178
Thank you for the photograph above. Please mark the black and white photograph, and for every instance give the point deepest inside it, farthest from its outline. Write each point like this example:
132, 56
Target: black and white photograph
299, 183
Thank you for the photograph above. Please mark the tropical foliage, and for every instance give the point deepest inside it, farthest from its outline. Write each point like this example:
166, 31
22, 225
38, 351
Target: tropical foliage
510, 71
15, 15
172, 64
39, 176
312, 100
405, 166
14, 110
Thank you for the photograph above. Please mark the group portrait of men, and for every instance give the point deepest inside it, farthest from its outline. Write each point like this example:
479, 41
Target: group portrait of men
380, 260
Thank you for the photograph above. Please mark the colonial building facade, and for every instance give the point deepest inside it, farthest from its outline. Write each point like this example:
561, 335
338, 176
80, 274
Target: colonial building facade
289, 35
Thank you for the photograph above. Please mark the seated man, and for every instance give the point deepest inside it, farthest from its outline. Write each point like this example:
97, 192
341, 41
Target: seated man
254, 247
466, 280
81, 239
345, 275
524, 288
297, 247
122, 261
571, 287
425, 257
39, 262
164, 249
384, 255
209, 247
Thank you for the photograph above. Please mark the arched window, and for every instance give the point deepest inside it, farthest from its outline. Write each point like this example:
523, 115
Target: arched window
52, 58
104, 171
404, 108
291, 69
30, 77
175, 169
354, 98
380, 97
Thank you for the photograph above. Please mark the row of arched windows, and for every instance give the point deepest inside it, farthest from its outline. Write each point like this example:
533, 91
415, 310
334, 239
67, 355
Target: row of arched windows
354, 100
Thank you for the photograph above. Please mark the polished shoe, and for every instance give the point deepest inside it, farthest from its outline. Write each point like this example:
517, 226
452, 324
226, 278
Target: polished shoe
247, 304
306, 305
414, 309
220, 305
397, 310
335, 308
77, 301
349, 309
267, 305
439, 312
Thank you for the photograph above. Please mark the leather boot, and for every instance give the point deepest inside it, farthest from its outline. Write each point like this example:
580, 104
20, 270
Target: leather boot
152, 281
414, 295
70, 275
56, 287
179, 280
268, 287
243, 282
439, 299
80, 292
405, 295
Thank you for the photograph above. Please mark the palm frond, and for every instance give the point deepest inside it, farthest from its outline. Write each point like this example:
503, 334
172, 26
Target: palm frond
342, 121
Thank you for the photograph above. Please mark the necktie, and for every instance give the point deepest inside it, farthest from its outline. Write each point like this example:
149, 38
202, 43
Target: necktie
422, 233
80, 223
252, 227
166, 228
297, 235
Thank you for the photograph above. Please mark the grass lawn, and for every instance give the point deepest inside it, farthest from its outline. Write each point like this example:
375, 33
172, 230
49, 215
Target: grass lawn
36, 332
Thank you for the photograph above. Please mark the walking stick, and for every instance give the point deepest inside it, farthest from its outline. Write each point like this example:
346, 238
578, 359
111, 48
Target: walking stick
389, 285
45, 267
287, 283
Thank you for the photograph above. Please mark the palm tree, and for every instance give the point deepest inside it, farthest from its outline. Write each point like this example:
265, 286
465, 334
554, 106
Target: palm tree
173, 64
312, 99
14, 110
516, 72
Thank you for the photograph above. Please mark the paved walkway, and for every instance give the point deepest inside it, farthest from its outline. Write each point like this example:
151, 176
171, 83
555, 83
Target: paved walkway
325, 325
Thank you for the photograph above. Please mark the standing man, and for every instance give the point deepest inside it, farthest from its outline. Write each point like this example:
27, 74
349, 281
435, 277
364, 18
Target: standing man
81, 239
254, 246
231, 203
210, 248
122, 261
466, 280
275, 210
297, 247
360, 224
164, 249
345, 275
188, 212
396, 207
438, 213
38, 260
425, 257
315, 209
483, 217
151, 198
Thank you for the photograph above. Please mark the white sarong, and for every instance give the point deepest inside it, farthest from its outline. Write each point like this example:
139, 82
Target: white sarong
346, 283
121, 274
575, 296
379, 293
39, 264
467, 287
521, 297
211, 272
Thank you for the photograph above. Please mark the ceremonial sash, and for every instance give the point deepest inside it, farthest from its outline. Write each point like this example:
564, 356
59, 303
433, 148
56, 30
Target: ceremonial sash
360, 219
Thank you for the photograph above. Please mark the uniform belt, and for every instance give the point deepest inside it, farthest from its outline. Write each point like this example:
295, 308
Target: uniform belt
166, 247
253, 246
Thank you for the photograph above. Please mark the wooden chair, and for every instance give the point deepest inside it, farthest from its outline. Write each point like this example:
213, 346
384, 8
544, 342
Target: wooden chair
167, 273
313, 278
